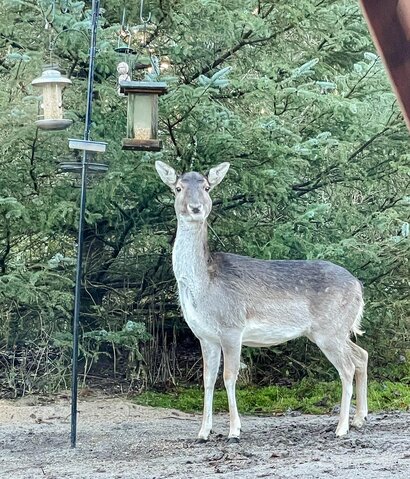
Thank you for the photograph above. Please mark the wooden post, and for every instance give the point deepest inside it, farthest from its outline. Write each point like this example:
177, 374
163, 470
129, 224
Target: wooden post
389, 25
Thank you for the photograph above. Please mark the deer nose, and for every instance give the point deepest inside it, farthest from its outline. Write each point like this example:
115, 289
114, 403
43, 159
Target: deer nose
195, 209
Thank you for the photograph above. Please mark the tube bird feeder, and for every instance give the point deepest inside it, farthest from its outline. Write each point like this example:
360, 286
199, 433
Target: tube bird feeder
142, 115
52, 84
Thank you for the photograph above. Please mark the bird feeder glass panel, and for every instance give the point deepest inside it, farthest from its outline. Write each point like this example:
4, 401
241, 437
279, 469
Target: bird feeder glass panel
52, 84
142, 115
141, 112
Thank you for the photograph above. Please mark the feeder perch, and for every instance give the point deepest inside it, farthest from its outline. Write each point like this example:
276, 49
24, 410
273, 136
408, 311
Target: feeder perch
52, 84
125, 50
142, 115
92, 147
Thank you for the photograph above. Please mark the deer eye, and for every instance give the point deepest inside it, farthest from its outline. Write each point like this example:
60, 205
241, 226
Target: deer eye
178, 189
207, 188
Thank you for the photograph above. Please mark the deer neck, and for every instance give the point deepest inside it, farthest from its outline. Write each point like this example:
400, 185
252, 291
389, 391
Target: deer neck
190, 256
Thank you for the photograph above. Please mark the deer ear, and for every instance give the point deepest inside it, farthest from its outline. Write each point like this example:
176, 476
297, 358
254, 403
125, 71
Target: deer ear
217, 174
166, 173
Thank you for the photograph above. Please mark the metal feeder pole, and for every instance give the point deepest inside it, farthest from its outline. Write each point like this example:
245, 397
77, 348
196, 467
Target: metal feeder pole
78, 277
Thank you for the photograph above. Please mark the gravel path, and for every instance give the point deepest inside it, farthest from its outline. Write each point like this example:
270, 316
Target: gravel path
120, 440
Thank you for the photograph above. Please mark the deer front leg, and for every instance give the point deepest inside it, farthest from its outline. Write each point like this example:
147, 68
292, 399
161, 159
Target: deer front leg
211, 354
232, 355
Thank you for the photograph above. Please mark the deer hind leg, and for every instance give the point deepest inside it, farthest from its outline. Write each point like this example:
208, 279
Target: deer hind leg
359, 357
232, 356
211, 354
341, 357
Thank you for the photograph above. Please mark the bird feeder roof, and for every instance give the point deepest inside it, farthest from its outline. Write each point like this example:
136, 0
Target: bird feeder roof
51, 76
158, 88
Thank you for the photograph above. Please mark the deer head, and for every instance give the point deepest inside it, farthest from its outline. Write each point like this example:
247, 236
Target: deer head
192, 200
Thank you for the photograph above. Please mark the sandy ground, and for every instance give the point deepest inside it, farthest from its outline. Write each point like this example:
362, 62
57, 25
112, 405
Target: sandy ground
120, 440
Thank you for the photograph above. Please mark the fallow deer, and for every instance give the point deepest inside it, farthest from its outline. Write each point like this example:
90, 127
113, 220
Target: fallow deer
230, 300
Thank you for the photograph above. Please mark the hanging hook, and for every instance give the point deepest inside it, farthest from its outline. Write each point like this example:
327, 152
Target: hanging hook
64, 6
123, 19
52, 13
124, 33
144, 20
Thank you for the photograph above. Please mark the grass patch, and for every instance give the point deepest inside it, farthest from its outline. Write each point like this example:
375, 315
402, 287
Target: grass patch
307, 396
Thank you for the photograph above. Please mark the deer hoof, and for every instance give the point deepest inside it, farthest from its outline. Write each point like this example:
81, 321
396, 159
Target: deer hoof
358, 422
341, 431
201, 440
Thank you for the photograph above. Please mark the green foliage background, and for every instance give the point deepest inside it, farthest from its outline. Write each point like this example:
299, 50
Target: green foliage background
291, 93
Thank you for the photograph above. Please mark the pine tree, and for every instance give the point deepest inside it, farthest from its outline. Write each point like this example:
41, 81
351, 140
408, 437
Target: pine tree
292, 94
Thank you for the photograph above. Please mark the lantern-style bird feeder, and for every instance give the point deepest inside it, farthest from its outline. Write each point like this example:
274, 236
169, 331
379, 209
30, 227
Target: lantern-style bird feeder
52, 83
142, 115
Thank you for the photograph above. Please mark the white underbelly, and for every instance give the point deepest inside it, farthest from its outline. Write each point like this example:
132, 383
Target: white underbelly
276, 322
263, 334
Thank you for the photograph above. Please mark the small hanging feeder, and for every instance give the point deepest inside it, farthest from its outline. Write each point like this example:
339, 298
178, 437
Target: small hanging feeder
52, 83
142, 115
